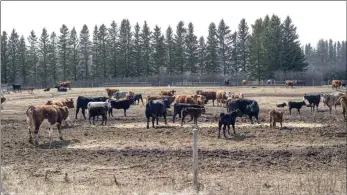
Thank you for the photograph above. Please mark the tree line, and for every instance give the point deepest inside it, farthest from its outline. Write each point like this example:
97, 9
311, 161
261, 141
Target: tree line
123, 51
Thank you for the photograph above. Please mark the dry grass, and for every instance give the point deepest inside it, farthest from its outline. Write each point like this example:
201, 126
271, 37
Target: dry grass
126, 158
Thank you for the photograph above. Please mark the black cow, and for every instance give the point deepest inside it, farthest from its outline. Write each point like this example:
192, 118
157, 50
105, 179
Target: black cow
228, 119
98, 111
120, 104
17, 87
246, 106
82, 103
313, 100
296, 105
178, 107
138, 97
281, 105
156, 109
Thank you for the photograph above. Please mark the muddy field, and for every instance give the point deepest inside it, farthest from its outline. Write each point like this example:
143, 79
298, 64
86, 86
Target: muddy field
308, 156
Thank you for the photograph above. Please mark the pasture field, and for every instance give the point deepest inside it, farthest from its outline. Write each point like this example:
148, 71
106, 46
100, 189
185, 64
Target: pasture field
308, 156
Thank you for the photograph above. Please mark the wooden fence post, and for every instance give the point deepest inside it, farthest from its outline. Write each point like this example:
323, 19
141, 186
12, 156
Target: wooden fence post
195, 158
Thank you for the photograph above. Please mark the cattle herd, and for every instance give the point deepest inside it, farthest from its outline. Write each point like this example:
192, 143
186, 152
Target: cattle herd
56, 112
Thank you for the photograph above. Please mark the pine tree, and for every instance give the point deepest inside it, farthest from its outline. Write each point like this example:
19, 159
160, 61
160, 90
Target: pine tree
125, 47
33, 56
74, 52
234, 57
224, 48
137, 52
211, 50
22, 53
243, 44
103, 37
13, 55
170, 45
180, 48
53, 57
44, 52
158, 50
202, 56
4, 57
95, 54
63, 46
192, 49
146, 48
113, 46
257, 67
85, 47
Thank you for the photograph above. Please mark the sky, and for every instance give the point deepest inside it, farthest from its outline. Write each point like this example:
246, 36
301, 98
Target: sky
314, 19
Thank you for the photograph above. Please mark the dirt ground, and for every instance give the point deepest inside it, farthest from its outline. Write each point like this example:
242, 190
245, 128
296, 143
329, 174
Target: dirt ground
308, 156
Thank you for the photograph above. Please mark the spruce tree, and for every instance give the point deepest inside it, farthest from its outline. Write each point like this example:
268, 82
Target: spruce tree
113, 47
95, 54
212, 65
257, 67
137, 52
103, 38
63, 46
53, 57
85, 48
4, 57
13, 55
235, 53
180, 48
170, 49
44, 52
202, 56
74, 53
191, 42
22, 53
146, 48
224, 46
33, 56
243, 44
158, 50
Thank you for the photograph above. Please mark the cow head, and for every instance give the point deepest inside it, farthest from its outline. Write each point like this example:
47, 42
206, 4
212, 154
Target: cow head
69, 103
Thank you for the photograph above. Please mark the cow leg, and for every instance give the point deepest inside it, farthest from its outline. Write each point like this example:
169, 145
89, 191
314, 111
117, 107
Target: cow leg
270, 123
174, 117
317, 108
224, 130
233, 125
84, 113
219, 128
256, 117
77, 110
299, 111
274, 124
36, 134
157, 120
213, 102
142, 102
281, 123
93, 120
50, 132
30, 133
182, 121
153, 118
250, 118
147, 122
89, 120
290, 111
59, 131
125, 112
228, 128
165, 119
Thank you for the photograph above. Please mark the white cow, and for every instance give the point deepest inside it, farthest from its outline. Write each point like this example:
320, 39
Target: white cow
330, 99
98, 104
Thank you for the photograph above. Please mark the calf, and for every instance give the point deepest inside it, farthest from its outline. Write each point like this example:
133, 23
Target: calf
120, 104
82, 102
138, 97
95, 111
297, 105
275, 116
281, 105
313, 100
178, 107
167, 93
336, 84
111, 91
220, 95
3, 99
156, 109
52, 113
47, 89
31, 90
228, 119
17, 88
210, 95
194, 113
68, 103
246, 106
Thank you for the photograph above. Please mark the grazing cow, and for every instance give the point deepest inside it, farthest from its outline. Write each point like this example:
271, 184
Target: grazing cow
335, 84
210, 95
156, 109
246, 106
313, 100
289, 84
110, 92
228, 119
281, 105
95, 111
194, 113
82, 102
244, 82
178, 107
138, 97
47, 89
30, 90
270, 82
167, 93
68, 103
3, 99
275, 116
343, 102
120, 104
17, 88
65, 84
297, 105
188, 99
55, 115
330, 99
221, 95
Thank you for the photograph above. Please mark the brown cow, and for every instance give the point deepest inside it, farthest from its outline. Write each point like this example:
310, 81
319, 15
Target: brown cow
66, 84
3, 99
275, 116
31, 90
336, 84
343, 102
244, 82
221, 95
194, 113
111, 91
55, 115
68, 103
201, 99
289, 83
187, 99
210, 95
167, 93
